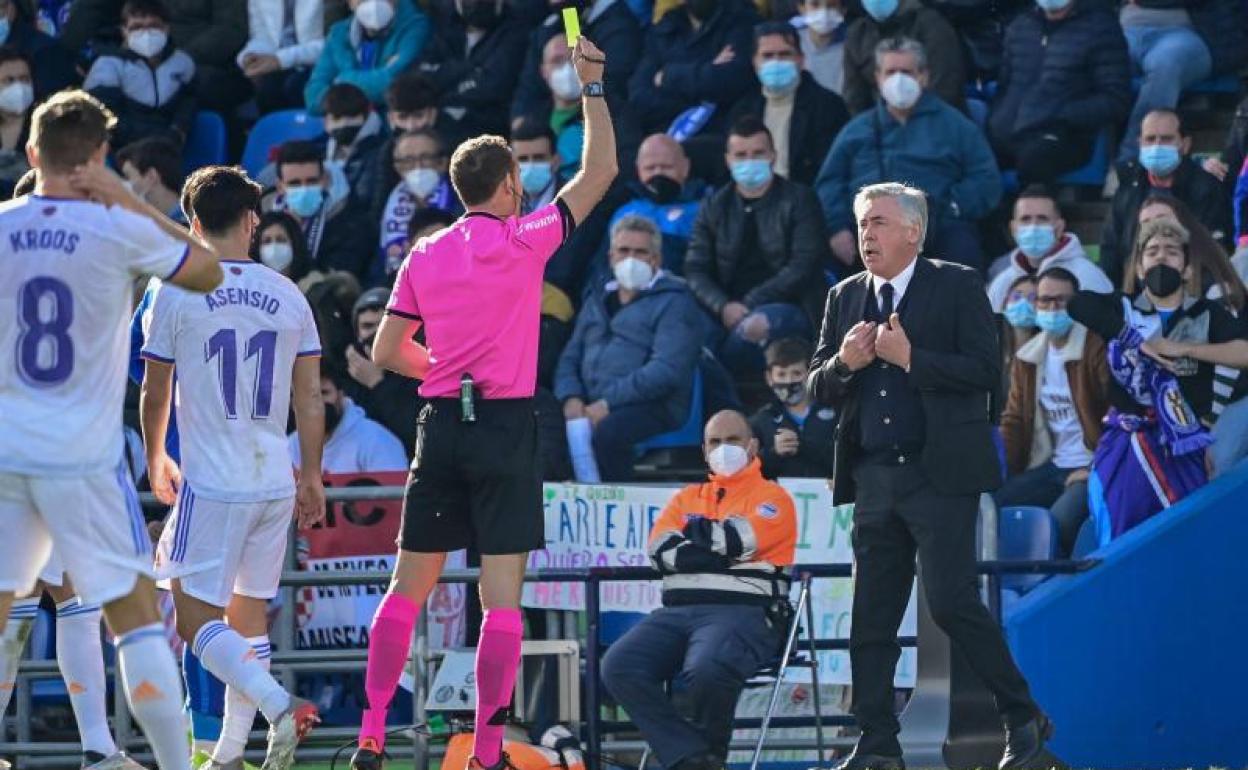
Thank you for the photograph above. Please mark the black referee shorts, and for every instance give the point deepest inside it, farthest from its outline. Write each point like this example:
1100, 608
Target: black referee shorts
475, 484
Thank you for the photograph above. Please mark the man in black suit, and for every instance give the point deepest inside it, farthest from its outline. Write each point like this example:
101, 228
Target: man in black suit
908, 355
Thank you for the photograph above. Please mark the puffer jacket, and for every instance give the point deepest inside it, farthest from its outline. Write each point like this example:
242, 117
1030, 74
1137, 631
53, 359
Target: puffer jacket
791, 237
644, 353
399, 45
1069, 74
946, 70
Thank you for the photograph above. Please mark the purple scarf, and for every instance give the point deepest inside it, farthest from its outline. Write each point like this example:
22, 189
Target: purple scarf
1156, 387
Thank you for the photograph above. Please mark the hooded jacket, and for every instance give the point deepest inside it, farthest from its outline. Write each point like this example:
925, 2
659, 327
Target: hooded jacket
643, 353
1069, 256
147, 100
357, 445
946, 70
1024, 430
342, 60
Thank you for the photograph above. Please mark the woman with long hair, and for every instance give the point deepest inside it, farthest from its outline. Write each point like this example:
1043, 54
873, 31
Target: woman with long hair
1212, 274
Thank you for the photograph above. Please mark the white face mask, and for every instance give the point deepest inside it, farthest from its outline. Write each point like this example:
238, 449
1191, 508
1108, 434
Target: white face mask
147, 42
901, 91
823, 20
374, 14
16, 98
632, 273
727, 459
421, 182
564, 83
277, 255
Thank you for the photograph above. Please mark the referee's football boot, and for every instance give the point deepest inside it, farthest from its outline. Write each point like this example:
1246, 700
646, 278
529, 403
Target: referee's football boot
369, 756
287, 731
503, 763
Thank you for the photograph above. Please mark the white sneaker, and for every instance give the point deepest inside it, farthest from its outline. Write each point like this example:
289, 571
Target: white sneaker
118, 761
287, 731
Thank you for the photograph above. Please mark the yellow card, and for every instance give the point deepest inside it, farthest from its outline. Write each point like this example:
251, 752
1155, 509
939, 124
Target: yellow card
571, 26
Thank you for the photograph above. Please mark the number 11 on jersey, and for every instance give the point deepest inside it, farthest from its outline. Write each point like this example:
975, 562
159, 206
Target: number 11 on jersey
263, 347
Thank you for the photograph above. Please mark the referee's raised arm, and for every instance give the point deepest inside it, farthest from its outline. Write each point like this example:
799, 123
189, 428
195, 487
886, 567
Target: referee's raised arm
598, 159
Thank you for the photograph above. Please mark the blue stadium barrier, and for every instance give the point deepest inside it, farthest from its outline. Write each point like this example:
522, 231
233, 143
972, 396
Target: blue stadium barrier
1140, 661
1090, 174
206, 144
274, 129
1025, 532
689, 434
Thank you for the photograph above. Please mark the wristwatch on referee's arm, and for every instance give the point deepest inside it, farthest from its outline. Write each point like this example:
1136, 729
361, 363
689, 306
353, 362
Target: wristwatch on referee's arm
593, 89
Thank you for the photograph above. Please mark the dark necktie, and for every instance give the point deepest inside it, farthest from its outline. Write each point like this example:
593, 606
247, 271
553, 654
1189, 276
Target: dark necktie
886, 301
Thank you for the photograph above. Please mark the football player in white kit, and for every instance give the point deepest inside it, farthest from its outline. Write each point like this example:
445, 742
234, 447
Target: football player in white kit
69, 257
237, 352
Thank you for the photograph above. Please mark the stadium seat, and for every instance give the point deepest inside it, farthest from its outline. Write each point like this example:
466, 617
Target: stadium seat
1090, 174
206, 144
1025, 533
1087, 541
689, 434
274, 129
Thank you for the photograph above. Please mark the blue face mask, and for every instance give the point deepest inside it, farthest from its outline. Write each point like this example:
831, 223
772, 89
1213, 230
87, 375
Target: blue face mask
305, 201
535, 177
777, 75
1056, 323
751, 174
1160, 159
1021, 314
1035, 240
880, 9
1052, 5
4, 29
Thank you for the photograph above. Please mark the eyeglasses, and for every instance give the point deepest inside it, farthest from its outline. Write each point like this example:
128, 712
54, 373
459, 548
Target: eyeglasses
1016, 295
1049, 302
426, 160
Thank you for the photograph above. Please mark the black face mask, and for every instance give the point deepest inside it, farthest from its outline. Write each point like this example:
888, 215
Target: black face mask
789, 393
333, 416
701, 9
662, 189
343, 136
1163, 280
480, 14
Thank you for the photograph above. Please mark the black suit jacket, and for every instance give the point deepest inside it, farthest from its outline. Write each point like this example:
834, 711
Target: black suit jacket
954, 363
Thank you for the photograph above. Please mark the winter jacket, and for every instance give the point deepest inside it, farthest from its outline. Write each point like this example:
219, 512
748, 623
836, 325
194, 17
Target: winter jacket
612, 27
1024, 430
393, 403
791, 240
818, 116
51, 68
946, 70
357, 445
341, 236
211, 31
816, 437
1069, 256
348, 57
685, 58
938, 149
1203, 194
267, 21
475, 86
1069, 74
642, 353
148, 101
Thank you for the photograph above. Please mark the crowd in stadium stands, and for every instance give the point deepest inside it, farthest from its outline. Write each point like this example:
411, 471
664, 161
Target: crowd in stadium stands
744, 130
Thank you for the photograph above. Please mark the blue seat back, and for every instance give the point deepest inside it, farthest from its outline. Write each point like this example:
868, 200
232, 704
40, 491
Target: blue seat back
206, 144
274, 129
689, 434
1025, 533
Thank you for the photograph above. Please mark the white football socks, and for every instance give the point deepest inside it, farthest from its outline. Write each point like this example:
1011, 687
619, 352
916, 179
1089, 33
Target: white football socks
240, 711
229, 657
154, 691
80, 656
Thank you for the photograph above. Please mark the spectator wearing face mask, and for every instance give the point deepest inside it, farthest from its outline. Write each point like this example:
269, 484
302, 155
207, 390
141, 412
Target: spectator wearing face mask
420, 162
353, 138
795, 436
1058, 395
52, 67
353, 442
16, 96
474, 61
757, 247
387, 398
627, 372
1164, 165
368, 50
698, 53
339, 234
1064, 77
822, 30
279, 245
286, 40
541, 175
1017, 322
803, 116
885, 19
666, 196
612, 27
153, 168
1043, 243
914, 135
149, 84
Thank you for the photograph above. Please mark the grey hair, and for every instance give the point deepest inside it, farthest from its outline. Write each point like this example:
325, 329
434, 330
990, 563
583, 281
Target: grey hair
638, 224
901, 45
912, 200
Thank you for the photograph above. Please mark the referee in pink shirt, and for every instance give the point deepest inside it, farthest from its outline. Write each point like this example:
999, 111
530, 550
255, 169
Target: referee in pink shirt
475, 288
